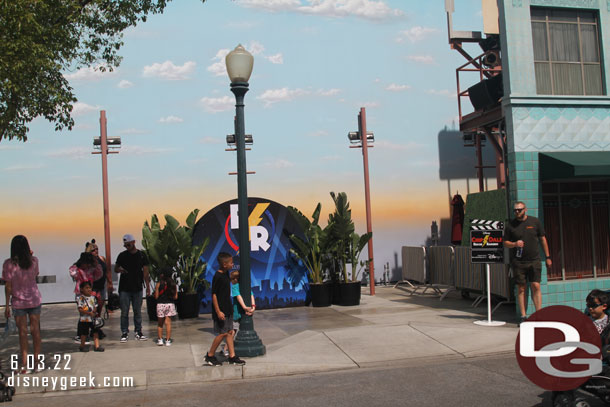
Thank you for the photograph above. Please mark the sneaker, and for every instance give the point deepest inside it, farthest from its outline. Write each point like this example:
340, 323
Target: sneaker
211, 361
168, 342
124, 337
87, 341
235, 360
522, 319
159, 341
83, 349
141, 337
98, 349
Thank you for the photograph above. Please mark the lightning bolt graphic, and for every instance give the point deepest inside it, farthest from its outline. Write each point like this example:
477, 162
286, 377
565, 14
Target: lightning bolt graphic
256, 216
485, 240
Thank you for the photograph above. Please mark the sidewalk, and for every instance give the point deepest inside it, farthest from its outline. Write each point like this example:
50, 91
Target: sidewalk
388, 329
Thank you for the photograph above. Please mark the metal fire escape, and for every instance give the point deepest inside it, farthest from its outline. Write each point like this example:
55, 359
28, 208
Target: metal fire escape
486, 122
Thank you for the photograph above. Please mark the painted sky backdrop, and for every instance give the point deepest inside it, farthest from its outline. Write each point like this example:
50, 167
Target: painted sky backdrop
316, 62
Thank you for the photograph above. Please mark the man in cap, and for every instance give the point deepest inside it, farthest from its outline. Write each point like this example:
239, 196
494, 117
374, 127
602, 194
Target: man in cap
132, 265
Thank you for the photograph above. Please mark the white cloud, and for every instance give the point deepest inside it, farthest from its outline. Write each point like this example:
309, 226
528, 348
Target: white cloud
416, 34
318, 133
171, 119
81, 109
212, 140
255, 48
9, 147
215, 105
365, 9
145, 150
329, 92
369, 105
422, 59
132, 131
279, 163
385, 144
71, 152
272, 96
124, 84
168, 71
397, 88
442, 92
276, 59
219, 68
89, 74
24, 167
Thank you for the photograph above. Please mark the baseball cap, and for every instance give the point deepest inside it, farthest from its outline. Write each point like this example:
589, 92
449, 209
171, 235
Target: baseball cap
128, 238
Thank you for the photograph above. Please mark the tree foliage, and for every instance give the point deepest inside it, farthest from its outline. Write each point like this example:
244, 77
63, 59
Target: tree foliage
41, 39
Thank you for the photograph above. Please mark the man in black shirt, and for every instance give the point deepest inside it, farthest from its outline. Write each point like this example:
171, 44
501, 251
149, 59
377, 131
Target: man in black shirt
132, 265
522, 236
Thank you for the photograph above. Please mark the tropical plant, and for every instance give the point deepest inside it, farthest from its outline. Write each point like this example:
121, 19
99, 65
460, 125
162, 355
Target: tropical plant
172, 246
340, 228
356, 245
308, 248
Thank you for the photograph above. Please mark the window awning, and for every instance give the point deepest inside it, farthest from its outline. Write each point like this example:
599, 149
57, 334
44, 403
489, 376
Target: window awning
581, 164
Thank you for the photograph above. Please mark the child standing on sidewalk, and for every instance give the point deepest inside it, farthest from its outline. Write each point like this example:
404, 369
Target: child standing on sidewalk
87, 307
222, 312
165, 293
239, 307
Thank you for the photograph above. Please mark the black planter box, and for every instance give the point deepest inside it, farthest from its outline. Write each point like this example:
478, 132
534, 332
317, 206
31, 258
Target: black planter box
151, 307
188, 305
321, 294
350, 294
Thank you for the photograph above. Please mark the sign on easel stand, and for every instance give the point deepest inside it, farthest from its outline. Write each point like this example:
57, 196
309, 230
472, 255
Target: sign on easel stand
487, 245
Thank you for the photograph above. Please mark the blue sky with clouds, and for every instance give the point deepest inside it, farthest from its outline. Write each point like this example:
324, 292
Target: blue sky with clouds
316, 62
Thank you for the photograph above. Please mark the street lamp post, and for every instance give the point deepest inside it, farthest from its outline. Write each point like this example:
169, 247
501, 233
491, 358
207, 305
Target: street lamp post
362, 138
103, 143
239, 67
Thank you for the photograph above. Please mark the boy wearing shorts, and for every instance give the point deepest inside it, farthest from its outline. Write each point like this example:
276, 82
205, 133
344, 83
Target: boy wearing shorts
87, 307
222, 312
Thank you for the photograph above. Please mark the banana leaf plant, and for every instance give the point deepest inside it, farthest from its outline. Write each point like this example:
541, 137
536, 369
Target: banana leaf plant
340, 228
173, 247
309, 249
356, 245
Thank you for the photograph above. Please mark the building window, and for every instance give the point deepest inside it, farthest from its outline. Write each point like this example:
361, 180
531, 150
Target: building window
566, 52
577, 226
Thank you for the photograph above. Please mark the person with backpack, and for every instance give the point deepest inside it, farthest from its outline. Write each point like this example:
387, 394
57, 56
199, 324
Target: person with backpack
86, 268
104, 283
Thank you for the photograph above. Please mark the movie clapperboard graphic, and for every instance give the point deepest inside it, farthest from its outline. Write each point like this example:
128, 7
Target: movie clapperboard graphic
487, 241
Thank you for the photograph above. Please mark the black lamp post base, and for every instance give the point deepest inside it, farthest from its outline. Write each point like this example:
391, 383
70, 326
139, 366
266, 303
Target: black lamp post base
247, 342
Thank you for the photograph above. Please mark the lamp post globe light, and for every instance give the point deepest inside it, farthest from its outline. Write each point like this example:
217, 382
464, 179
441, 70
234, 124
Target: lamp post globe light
239, 67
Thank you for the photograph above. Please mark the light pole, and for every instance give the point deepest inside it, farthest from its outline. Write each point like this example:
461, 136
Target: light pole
103, 143
361, 139
239, 67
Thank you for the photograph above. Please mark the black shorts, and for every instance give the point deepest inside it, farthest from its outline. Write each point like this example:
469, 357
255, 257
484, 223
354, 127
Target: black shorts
223, 327
86, 328
525, 271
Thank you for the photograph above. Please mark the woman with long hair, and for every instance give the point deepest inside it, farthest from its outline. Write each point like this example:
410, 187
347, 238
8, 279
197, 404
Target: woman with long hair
21, 290
99, 285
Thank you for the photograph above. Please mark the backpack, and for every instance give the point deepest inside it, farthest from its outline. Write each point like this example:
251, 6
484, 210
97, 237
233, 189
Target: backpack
113, 302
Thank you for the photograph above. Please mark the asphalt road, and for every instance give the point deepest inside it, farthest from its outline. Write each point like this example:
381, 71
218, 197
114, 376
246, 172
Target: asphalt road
493, 381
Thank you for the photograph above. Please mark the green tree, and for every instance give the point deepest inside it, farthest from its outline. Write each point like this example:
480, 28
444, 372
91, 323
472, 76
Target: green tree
40, 39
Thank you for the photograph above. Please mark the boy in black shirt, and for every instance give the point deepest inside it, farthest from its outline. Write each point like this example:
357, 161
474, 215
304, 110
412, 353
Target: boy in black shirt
222, 312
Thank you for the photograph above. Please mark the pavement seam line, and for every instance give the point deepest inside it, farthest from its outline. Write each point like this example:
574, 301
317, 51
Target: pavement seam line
338, 347
437, 341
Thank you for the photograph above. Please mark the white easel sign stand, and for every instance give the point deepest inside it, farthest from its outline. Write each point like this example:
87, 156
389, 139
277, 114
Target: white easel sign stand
487, 245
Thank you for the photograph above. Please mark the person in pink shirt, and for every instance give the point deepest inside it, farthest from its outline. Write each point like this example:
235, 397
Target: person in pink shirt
21, 292
88, 269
